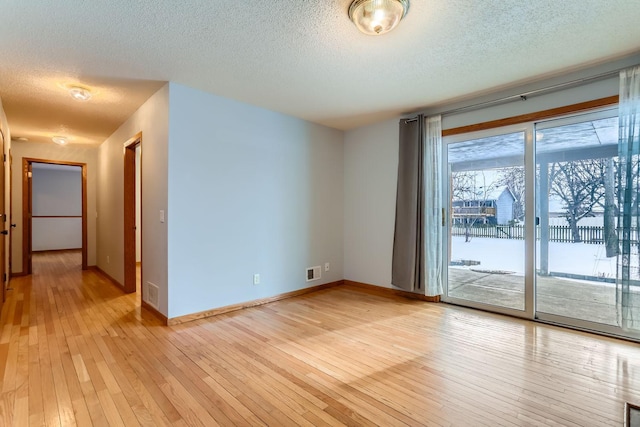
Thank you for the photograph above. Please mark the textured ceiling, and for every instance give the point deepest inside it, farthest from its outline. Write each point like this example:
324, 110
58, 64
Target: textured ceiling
303, 58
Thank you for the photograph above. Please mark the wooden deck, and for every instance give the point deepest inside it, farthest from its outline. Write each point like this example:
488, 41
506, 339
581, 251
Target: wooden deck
74, 350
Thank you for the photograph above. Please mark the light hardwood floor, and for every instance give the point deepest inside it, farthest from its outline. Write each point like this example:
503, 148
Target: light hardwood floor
74, 350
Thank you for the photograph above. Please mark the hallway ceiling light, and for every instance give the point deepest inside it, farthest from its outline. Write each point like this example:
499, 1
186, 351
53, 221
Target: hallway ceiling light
60, 140
376, 17
79, 93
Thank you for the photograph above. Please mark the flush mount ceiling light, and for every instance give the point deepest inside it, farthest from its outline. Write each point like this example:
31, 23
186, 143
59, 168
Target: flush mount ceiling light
79, 93
376, 17
60, 140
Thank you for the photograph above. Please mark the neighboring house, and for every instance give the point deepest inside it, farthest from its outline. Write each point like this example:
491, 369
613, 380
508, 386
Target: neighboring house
496, 208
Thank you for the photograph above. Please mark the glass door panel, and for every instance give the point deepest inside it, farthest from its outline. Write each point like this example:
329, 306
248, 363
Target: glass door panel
486, 259
576, 207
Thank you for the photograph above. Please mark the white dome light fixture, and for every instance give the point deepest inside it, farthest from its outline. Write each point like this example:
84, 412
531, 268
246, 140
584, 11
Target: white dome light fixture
80, 93
377, 17
60, 140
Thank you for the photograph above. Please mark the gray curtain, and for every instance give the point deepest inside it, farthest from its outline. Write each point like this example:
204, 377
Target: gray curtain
408, 265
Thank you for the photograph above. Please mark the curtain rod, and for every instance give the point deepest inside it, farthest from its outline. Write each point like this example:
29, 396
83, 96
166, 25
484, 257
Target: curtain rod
525, 95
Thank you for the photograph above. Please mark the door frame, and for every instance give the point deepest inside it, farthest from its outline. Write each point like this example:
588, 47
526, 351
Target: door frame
27, 200
11, 224
5, 266
129, 193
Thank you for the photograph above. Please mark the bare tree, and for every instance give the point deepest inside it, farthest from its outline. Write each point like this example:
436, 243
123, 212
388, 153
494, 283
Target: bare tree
610, 234
580, 185
463, 185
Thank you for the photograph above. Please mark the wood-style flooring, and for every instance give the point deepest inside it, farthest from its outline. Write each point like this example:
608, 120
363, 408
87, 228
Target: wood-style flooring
74, 350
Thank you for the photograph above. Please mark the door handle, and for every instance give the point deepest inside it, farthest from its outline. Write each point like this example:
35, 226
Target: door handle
5, 232
13, 225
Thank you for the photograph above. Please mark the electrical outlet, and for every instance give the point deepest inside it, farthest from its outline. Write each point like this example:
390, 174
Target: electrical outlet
256, 279
326, 266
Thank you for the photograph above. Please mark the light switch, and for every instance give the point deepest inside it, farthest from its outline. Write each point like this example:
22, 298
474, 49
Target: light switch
161, 216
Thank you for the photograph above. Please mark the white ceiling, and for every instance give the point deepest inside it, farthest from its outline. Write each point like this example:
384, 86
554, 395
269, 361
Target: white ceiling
303, 58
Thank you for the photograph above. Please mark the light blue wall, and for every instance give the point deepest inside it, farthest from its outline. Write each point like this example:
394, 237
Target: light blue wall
250, 191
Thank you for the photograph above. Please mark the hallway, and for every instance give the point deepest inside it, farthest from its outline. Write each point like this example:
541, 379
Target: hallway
75, 350
55, 355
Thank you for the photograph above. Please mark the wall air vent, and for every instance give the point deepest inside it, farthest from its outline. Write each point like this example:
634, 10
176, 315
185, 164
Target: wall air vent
314, 273
151, 296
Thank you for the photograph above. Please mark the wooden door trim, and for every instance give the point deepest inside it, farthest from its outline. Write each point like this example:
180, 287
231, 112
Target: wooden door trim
10, 272
536, 116
26, 220
129, 194
6, 227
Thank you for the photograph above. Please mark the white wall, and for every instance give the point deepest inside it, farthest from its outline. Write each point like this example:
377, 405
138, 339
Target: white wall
371, 161
152, 119
50, 234
56, 193
250, 191
53, 152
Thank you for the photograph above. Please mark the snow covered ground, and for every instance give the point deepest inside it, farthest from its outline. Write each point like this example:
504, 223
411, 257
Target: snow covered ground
507, 254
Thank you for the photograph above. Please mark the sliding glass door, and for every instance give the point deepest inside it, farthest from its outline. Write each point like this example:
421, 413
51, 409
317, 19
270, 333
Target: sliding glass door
532, 221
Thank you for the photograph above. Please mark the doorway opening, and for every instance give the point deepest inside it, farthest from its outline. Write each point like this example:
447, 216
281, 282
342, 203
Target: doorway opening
54, 208
133, 215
